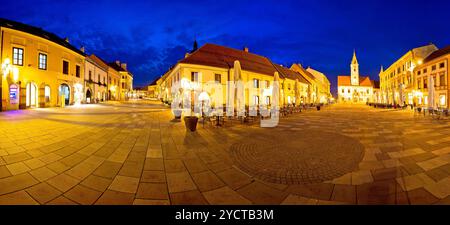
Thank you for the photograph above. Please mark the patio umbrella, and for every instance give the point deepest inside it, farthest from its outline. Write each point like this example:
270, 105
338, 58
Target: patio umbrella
240, 95
276, 92
400, 94
297, 92
431, 93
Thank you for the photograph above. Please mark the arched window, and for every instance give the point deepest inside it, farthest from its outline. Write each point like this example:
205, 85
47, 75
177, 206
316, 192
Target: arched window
47, 93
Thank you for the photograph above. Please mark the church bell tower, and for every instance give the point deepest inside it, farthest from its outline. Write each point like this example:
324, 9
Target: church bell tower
354, 68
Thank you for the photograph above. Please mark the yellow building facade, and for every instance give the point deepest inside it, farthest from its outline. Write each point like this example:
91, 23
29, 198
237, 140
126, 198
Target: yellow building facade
398, 82
214, 63
38, 68
435, 67
323, 85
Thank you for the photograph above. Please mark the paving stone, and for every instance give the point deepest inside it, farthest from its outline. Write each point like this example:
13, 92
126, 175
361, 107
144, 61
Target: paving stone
187, 198
124, 184
234, 178
63, 182
344, 193
17, 198
83, 195
207, 181
110, 197
97, 183
16, 183
153, 176
180, 182
108, 169
152, 191
225, 196
262, 194
43, 192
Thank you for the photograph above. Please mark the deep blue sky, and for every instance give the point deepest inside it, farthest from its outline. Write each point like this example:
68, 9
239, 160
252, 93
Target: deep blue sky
152, 35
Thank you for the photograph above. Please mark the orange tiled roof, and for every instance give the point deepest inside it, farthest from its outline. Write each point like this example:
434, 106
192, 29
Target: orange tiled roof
290, 74
224, 57
363, 81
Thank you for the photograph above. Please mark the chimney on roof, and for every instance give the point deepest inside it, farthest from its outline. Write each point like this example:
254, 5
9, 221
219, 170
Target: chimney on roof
245, 49
186, 55
82, 49
124, 66
66, 39
118, 62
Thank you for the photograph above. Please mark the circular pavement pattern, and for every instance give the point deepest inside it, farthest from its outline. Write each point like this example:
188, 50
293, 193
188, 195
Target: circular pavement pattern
297, 157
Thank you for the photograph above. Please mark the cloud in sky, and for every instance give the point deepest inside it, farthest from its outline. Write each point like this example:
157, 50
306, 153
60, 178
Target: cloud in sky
153, 35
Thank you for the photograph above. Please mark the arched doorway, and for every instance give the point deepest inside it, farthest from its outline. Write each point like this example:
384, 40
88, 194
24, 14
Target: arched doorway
32, 96
88, 96
65, 90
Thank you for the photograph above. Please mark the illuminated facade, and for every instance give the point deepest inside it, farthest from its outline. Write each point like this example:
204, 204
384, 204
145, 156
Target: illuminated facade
323, 85
214, 63
39, 69
95, 80
398, 82
355, 88
125, 80
434, 66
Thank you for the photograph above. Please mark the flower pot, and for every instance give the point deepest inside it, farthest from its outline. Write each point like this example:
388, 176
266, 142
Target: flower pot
419, 110
318, 107
191, 122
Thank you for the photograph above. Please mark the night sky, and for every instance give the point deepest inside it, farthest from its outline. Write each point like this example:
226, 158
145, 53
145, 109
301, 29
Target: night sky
153, 35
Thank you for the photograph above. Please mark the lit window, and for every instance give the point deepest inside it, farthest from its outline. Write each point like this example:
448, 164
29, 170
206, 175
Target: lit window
255, 83
18, 56
218, 78
442, 100
47, 93
442, 80
42, 61
194, 76
256, 100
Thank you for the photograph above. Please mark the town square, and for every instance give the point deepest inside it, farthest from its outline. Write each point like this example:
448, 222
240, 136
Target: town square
214, 107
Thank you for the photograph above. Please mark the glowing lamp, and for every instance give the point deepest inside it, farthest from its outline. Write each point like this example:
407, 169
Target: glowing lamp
15, 74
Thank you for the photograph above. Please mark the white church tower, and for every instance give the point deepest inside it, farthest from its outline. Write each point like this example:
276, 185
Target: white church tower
354, 68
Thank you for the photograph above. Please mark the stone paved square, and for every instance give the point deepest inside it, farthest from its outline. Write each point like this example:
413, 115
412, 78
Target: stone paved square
133, 153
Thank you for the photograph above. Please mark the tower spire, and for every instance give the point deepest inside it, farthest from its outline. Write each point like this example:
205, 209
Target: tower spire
354, 60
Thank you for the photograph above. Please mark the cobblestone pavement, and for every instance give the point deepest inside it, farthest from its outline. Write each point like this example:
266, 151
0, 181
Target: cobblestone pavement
135, 154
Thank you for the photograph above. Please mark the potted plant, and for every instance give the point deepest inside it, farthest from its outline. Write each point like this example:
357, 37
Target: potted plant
191, 122
419, 109
318, 107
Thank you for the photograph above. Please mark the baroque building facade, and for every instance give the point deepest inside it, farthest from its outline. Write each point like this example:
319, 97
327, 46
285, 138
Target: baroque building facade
356, 88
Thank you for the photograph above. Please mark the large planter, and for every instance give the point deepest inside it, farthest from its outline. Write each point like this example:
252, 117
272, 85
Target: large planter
191, 122
318, 107
419, 109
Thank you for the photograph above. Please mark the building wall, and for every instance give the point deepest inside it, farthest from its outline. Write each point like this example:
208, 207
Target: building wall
401, 73
323, 85
355, 94
438, 69
208, 73
114, 84
38, 79
95, 82
126, 83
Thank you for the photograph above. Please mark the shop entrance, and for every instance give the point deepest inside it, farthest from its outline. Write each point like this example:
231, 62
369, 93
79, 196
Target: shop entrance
31, 99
